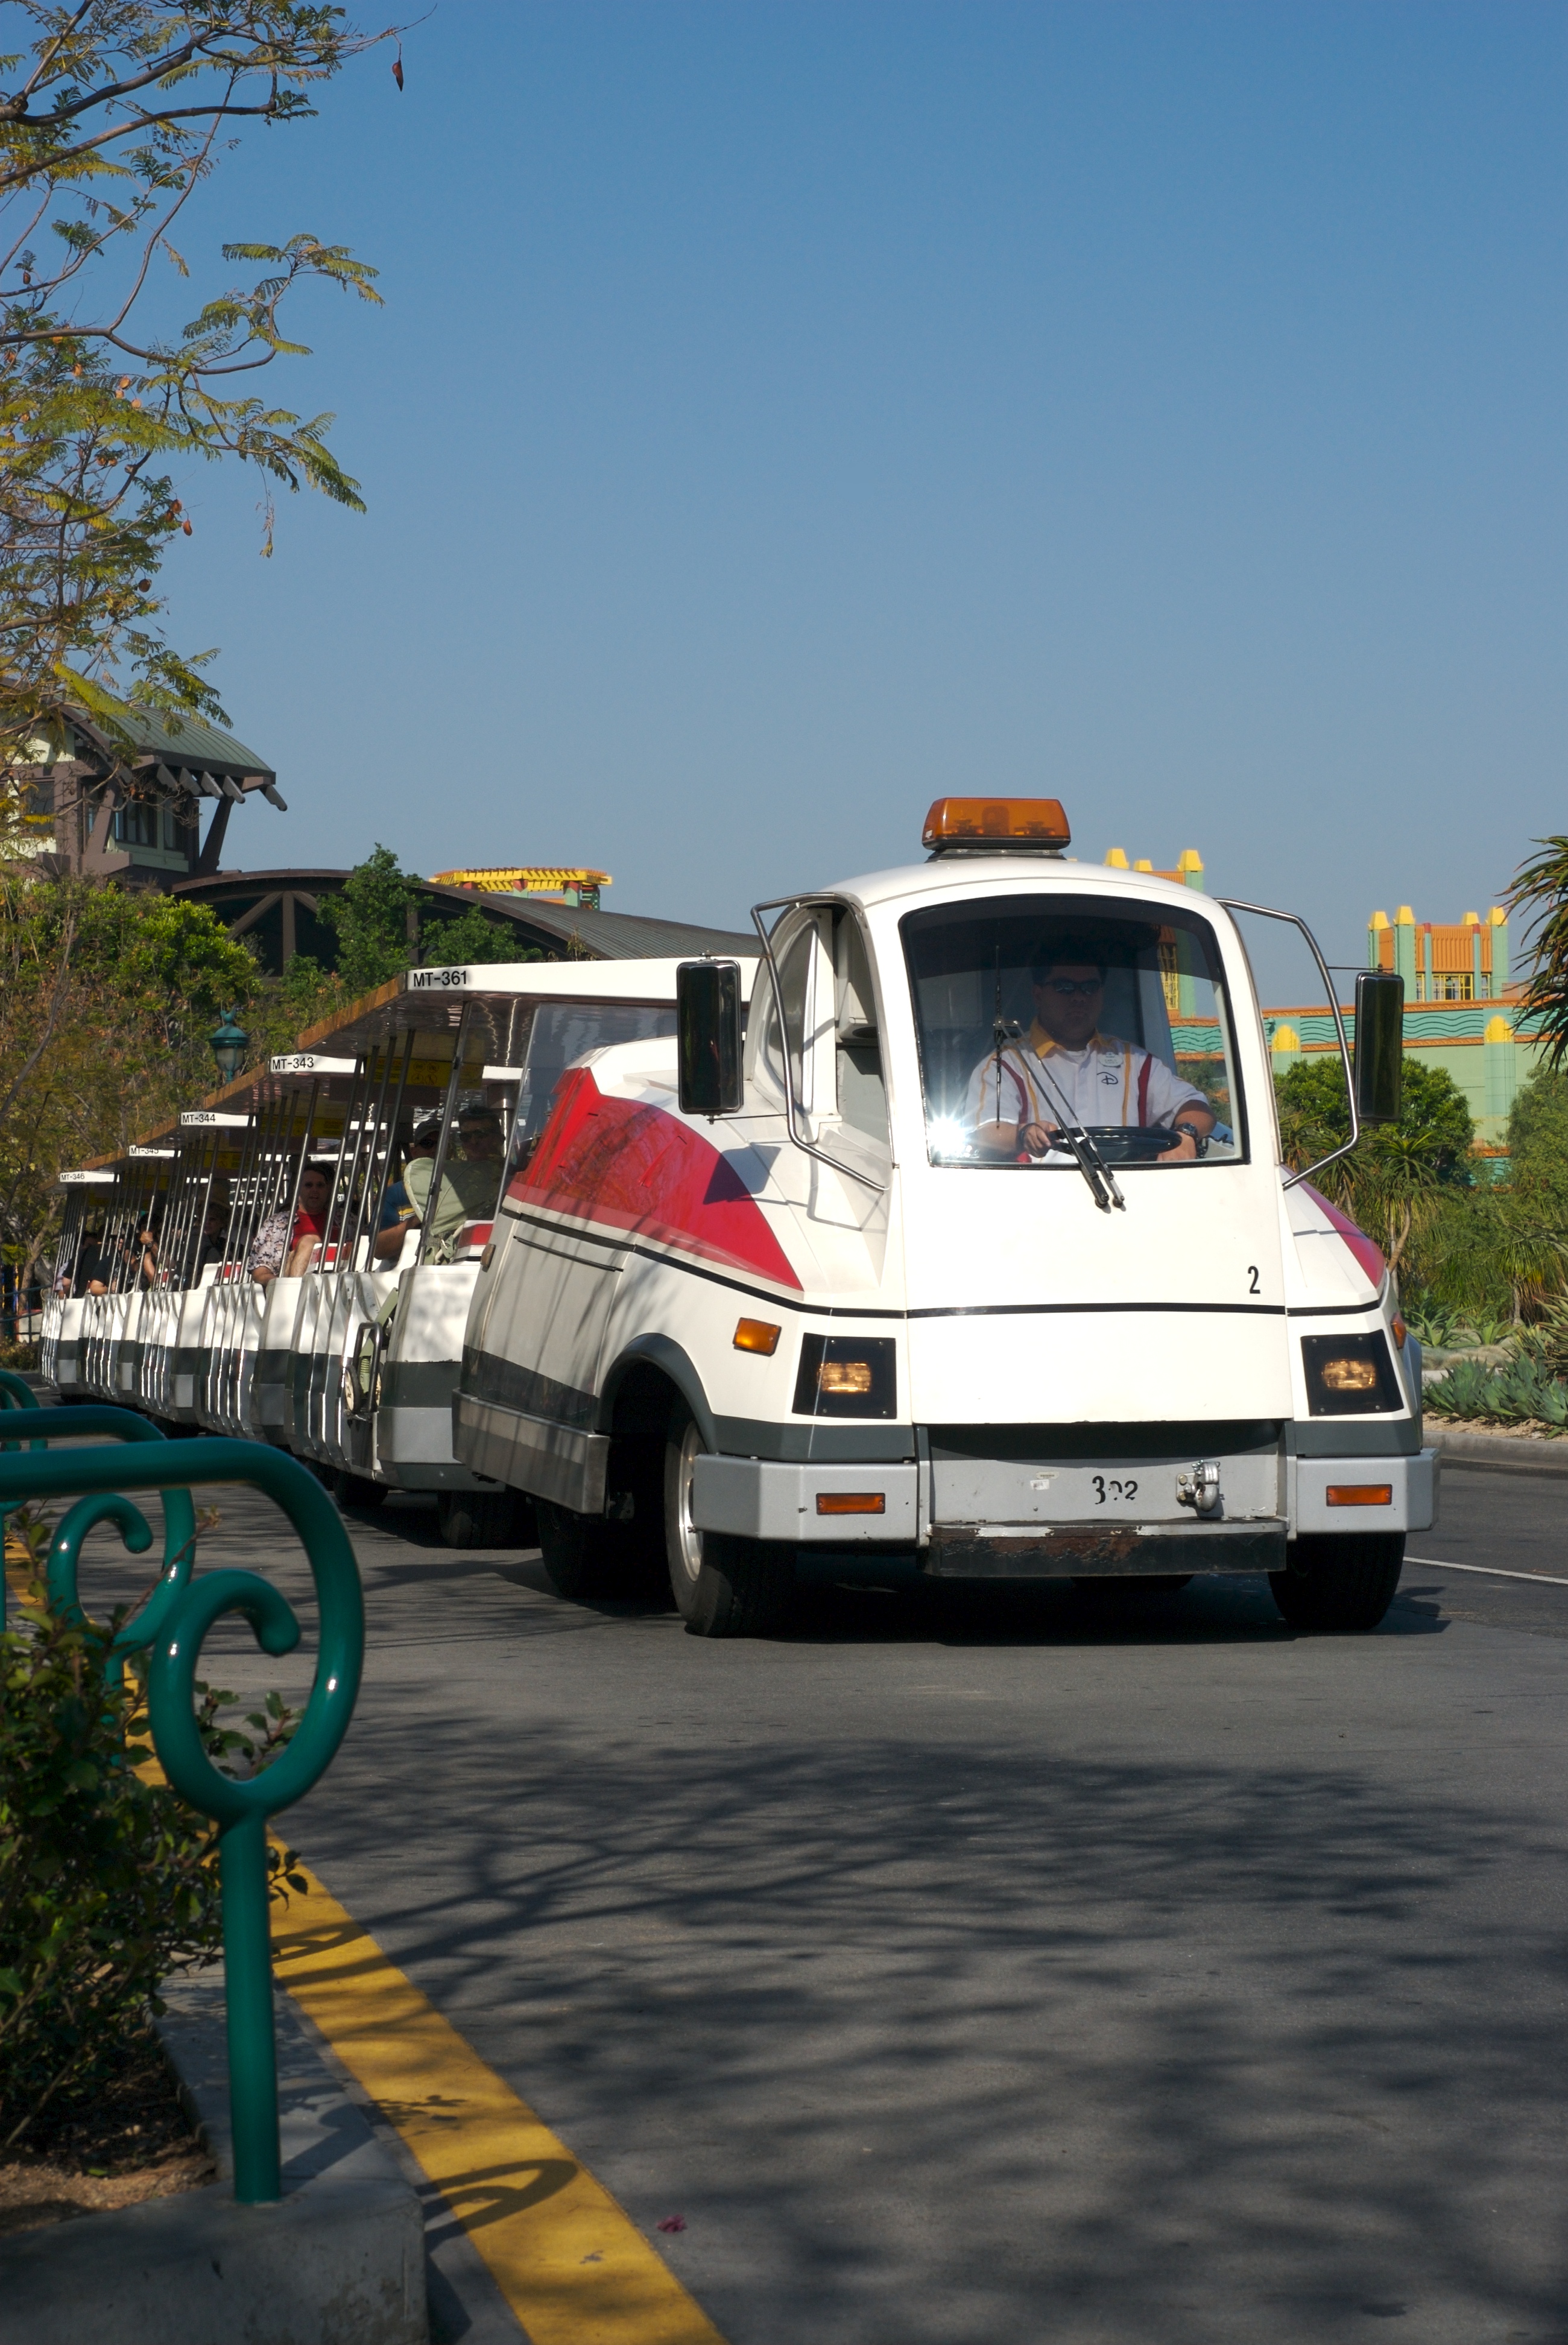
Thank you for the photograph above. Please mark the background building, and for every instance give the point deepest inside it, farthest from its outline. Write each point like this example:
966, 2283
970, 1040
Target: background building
1462, 1005
134, 810
153, 811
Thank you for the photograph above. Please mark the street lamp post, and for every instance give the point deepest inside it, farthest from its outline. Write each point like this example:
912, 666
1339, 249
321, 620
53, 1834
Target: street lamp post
229, 1045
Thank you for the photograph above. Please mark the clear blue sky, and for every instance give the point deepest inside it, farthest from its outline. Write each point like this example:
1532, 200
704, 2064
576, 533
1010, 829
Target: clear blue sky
782, 415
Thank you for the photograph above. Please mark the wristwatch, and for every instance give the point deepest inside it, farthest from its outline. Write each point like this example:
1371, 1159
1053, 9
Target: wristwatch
1199, 1139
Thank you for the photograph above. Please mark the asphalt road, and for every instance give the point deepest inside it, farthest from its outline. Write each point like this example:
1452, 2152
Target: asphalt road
1003, 1972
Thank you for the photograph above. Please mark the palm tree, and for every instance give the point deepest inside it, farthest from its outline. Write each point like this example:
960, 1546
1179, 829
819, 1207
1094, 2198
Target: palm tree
1541, 889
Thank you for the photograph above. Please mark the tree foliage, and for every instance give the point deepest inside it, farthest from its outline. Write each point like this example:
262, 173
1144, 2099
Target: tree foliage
378, 927
1392, 1182
471, 936
1435, 1128
114, 117
106, 997
1538, 1135
1540, 891
1461, 1246
372, 921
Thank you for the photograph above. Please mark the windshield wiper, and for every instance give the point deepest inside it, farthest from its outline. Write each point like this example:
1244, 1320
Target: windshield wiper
1086, 1155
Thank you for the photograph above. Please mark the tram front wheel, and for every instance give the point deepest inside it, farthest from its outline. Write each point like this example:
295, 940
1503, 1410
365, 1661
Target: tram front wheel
723, 1587
1340, 1585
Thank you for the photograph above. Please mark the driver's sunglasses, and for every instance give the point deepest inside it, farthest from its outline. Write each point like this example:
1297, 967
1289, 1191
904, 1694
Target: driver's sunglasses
1071, 988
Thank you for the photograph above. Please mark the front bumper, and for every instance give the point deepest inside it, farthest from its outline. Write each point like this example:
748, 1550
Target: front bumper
754, 1497
1101, 1550
805, 1505
1338, 1494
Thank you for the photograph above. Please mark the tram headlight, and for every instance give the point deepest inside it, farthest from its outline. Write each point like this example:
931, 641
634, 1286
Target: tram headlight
1350, 1376
847, 1375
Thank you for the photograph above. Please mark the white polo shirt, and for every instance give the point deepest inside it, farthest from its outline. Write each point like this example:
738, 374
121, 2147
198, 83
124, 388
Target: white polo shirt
1107, 1082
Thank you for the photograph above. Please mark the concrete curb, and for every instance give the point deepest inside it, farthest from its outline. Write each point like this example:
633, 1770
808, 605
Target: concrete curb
339, 2261
1504, 1452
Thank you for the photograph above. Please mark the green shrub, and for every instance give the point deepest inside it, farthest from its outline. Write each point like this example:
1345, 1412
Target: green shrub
107, 1879
1522, 1393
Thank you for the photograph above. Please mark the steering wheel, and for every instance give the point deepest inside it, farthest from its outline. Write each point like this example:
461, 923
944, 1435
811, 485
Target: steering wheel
1127, 1143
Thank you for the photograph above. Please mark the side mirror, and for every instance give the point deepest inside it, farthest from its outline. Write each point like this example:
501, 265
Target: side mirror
1379, 1061
708, 1029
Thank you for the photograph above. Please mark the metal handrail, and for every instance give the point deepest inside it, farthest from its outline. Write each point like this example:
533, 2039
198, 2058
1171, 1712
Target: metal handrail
16, 1392
240, 1809
49, 1425
1294, 920
783, 904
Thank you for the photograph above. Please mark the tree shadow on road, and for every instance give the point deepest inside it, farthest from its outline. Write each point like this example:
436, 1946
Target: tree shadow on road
1047, 2046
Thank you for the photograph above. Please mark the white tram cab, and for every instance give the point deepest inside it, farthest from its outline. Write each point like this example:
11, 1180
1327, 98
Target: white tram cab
977, 1259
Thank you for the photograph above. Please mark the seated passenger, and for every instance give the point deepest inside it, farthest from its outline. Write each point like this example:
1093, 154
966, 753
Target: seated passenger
279, 1252
450, 1212
1066, 1070
477, 1175
399, 1212
214, 1227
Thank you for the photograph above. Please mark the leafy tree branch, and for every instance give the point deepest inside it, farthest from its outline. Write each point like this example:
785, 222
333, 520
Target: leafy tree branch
112, 121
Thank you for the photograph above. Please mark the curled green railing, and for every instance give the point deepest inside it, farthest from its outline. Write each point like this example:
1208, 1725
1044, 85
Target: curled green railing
239, 1809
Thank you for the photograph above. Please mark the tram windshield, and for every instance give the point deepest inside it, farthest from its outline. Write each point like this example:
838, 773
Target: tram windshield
562, 1034
1045, 1020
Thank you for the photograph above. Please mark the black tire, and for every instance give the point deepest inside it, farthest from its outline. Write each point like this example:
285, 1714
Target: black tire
723, 1587
1341, 1587
358, 1490
585, 1558
479, 1517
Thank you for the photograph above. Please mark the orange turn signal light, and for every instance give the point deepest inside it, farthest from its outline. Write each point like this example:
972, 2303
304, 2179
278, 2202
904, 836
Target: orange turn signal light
996, 822
852, 1502
757, 1335
1361, 1494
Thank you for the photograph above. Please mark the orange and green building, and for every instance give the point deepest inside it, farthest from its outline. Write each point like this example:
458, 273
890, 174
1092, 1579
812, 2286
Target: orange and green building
1461, 1006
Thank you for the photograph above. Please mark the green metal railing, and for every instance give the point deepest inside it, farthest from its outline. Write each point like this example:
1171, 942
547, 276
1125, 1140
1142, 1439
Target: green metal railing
173, 1629
16, 1392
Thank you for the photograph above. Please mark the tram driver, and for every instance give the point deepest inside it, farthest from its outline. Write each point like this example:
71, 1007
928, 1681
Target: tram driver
1066, 1067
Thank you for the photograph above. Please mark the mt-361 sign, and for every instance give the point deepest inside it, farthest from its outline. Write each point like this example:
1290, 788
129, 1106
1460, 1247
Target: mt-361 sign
439, 980
306, 1063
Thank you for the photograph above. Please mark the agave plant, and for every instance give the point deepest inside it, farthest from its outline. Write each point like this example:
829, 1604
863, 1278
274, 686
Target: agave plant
1520, 1394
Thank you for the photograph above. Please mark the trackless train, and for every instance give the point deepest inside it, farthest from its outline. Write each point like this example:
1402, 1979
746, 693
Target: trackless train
950, 1239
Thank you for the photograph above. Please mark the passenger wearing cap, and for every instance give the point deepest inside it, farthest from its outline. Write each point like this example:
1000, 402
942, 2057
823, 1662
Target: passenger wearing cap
475, 1177
408, 1198
1065, 1070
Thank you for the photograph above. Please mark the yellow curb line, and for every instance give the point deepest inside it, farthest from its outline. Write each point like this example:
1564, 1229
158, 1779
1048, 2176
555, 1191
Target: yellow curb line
570, 2262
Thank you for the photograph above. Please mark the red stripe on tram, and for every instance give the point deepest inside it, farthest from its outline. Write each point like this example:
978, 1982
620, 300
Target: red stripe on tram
636, 1168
